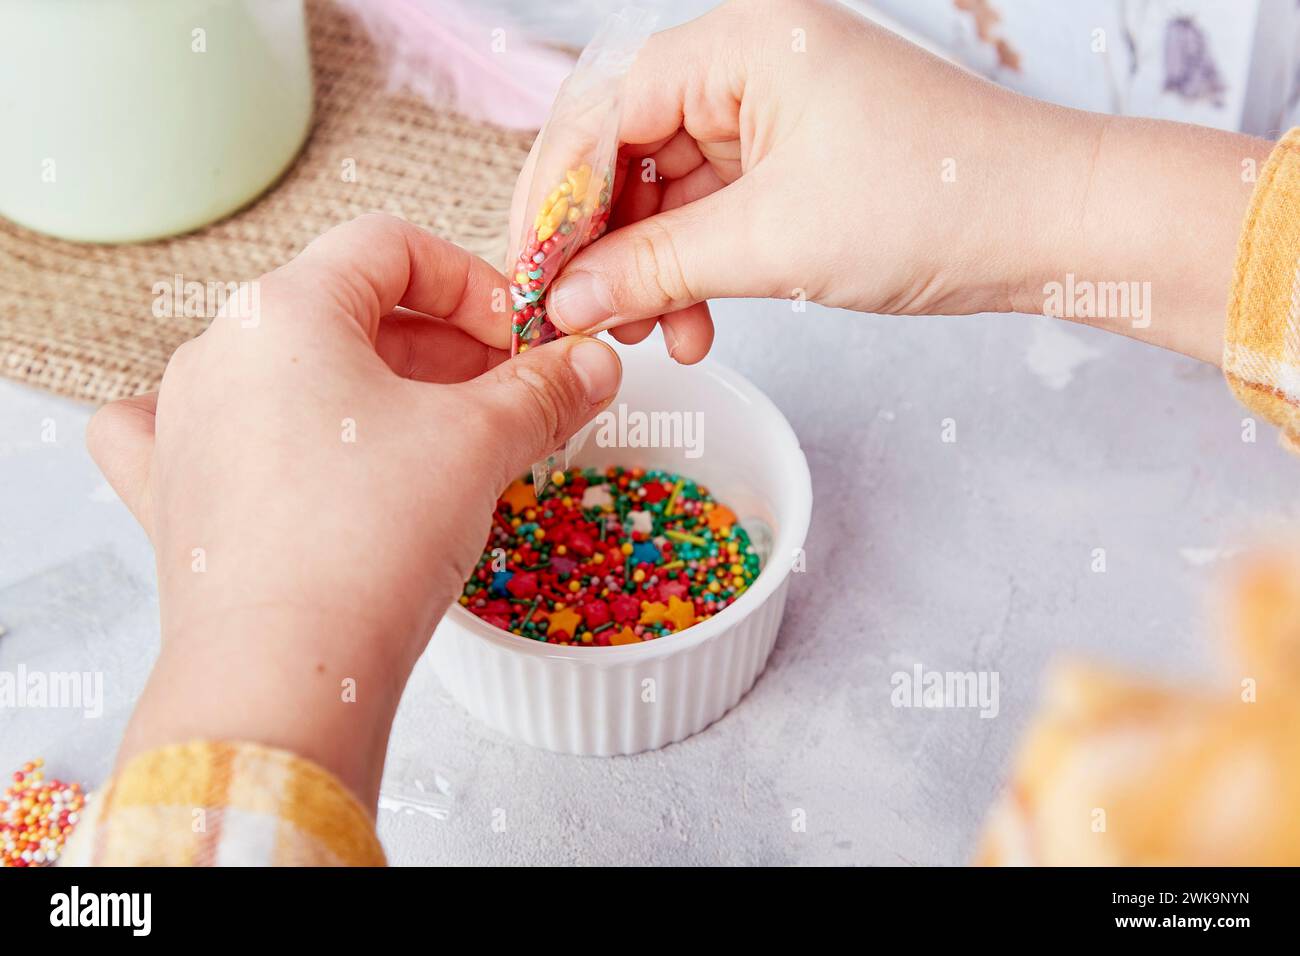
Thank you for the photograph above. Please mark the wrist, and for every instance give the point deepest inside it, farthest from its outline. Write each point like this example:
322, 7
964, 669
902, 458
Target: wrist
1048, 167
320, 684
1154, 221
1011, 199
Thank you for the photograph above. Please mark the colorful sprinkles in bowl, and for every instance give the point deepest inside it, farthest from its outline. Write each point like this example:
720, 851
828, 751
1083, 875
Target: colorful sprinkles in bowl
609, 557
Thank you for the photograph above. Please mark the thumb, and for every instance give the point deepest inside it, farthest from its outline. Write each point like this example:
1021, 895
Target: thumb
120, 437
532, 403
663, 263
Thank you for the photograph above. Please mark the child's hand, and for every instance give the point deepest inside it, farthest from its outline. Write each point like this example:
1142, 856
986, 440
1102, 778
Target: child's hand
319, 479
794, 149
803, 152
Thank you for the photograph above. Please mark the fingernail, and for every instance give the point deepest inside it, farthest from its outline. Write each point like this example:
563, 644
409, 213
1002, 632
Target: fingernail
597, 368
578, 301
670, 340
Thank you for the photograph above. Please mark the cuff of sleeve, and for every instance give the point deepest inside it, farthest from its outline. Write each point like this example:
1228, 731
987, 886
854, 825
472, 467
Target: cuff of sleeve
223, 804
1261, 349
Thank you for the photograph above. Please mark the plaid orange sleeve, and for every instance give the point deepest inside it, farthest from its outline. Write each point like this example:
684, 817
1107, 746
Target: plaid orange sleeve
1261, 350
223, 804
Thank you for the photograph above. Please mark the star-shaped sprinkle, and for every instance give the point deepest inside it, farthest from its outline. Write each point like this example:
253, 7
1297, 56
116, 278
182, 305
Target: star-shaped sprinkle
564, 619
578, 179
597, 496
642, 522
519, 496
672, 589
680, 613
644, 552
625, 608
595, 613
721, 518
523, 584
655, 491
653, 613
500, 580
625, 636
581, 544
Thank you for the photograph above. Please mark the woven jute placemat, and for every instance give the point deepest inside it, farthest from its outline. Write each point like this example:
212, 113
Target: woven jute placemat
78, 319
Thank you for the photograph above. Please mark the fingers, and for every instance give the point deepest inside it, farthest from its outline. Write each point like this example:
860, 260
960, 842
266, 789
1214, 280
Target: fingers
692, 187
680, 80
533, 403
688, 333
120, 439
633, 332
674, 159
375, 263
639, 199
426, 349
662, 264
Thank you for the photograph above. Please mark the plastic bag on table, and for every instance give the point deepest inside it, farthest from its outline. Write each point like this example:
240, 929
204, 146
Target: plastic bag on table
571, 189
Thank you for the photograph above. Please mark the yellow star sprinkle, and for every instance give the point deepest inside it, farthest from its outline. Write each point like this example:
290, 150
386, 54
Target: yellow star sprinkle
519, 496
625, 636
653, 613
680, 613
564, 619
721, 518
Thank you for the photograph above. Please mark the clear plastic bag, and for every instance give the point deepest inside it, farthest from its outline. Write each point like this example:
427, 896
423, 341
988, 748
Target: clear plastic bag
572, 188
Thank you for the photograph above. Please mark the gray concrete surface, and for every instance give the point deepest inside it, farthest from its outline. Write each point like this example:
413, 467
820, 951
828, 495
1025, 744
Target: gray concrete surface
973, 555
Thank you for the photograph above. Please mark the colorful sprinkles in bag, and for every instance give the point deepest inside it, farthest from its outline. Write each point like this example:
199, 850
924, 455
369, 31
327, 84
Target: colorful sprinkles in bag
36, 817
571, 186
573, 214
607, 558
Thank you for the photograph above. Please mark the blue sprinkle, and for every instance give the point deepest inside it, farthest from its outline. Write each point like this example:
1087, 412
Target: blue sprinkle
644, 552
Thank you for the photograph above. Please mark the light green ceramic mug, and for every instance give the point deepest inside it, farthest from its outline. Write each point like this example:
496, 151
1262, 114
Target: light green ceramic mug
126, 120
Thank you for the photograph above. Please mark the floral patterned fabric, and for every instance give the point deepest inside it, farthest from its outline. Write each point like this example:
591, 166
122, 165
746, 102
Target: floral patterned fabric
1227, 65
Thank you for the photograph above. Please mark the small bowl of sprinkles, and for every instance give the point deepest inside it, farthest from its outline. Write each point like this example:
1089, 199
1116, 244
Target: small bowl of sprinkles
639, 598
609, 557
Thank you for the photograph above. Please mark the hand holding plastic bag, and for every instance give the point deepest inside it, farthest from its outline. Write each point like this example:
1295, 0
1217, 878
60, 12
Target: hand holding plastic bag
569, 183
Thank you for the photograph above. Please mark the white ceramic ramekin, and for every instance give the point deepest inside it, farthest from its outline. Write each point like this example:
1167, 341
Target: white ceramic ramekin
600, 701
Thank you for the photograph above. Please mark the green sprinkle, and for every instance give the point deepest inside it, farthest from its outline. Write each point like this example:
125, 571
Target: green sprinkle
529, 616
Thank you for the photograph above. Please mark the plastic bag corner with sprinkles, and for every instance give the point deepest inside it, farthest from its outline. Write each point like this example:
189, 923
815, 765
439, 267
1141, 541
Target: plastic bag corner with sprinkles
571, 189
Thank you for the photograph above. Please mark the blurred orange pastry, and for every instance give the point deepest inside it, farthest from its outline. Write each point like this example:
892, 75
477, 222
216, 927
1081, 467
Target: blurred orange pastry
1118, 771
